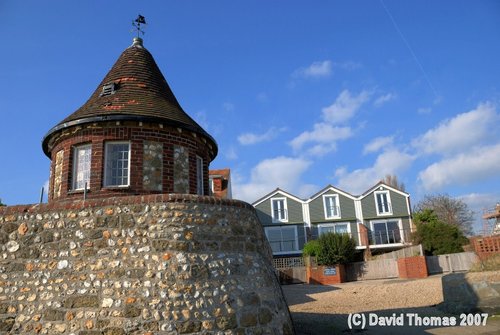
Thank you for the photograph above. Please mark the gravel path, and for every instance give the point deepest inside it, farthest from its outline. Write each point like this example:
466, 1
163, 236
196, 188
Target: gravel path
324, 309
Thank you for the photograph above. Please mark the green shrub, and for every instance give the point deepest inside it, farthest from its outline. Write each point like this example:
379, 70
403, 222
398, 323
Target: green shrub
311, 248
335, 249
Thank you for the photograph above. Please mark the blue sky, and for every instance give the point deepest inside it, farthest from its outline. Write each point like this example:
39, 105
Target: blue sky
297, 94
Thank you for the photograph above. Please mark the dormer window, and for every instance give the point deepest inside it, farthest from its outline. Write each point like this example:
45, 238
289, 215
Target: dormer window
279, 210
108, 89
383, 202
332, 208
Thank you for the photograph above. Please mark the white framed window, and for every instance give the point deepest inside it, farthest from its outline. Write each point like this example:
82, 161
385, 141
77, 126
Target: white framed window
383, 202
117, 164
331, 206
283, 239
338, 228
199, 175
279, 209
386, 232
81, 166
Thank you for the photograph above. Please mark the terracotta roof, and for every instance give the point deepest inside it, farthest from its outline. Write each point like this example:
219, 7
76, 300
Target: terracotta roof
140, 93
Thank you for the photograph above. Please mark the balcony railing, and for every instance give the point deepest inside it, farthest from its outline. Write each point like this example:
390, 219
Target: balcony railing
382, 237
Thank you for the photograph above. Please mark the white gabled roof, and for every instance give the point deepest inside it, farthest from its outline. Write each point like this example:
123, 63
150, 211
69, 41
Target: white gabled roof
330, 188
380, 184
274, 193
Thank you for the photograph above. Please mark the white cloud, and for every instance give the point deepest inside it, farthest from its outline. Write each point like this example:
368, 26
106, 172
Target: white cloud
384, 98
315, 70
252, 138
389, 162
344, 107
459, 133
478, 202
262, 97
283, 172
378, 143
323, 134
465, 168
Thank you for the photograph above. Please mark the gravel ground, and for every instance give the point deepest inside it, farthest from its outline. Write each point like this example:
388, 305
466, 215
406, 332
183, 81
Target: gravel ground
325, 309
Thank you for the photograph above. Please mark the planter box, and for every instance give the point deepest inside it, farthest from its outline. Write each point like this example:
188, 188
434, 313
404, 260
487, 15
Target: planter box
325, 275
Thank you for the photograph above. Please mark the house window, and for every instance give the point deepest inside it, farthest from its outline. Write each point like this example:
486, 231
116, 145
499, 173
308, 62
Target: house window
383, 203
338, 228
332, 208
199, 175
282, 239
279, 210
81, 166
117, 164
386, 232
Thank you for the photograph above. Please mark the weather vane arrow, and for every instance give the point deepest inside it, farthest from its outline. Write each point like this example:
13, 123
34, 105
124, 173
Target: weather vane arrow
137, 24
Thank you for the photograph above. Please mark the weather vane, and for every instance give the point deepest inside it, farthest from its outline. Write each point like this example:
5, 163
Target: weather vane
137, 24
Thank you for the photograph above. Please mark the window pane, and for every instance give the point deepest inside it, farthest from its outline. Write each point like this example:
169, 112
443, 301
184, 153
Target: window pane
81, 168
117, 164
380, 233
393, 232
341, 229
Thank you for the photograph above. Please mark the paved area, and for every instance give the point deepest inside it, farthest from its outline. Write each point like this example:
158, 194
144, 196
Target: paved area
318, 310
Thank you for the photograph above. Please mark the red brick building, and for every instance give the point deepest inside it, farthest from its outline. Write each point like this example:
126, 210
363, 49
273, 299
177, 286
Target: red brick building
131, 137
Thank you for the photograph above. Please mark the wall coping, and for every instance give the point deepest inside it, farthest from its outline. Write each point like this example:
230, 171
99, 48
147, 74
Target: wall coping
123, 200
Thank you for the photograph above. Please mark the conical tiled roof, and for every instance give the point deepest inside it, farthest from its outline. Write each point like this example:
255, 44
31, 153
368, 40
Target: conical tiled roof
140, 93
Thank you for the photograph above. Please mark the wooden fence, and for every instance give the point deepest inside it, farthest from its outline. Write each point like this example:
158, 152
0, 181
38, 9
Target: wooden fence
376, 269
451, 262
293, 269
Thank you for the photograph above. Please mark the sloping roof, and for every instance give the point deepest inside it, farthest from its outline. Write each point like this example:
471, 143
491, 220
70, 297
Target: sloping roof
141, 93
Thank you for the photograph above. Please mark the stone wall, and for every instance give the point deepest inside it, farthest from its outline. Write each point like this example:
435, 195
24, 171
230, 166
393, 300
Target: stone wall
155, 264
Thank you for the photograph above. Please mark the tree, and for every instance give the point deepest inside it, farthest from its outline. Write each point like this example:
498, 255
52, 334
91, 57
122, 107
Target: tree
449, 210
392, 180
437, 237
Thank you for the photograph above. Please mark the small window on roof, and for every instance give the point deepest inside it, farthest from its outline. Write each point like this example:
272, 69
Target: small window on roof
108, 89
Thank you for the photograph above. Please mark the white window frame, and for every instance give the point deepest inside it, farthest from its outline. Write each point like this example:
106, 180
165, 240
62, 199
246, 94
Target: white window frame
76, 161
336, 202
284, 210
199, 175
106, 155
296, 239
400, 226
327, 225
389, 203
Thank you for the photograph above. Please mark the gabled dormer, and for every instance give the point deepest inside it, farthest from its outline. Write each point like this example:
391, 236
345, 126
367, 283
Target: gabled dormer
331, 204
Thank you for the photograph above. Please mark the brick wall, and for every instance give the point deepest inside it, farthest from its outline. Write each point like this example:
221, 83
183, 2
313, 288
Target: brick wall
486, 246
316, 275
138, 134
412, 267
152, 264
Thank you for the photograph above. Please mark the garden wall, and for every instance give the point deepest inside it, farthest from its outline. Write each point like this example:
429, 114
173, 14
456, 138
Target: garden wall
156, 264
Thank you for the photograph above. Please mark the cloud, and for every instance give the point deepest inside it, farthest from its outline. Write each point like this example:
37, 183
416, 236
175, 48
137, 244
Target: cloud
378, 143
384, 98
323, 134
315, 70
477, 164
344, 107
262, 97
478, 202
252, 138
391, 161
283, 172
459, 133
